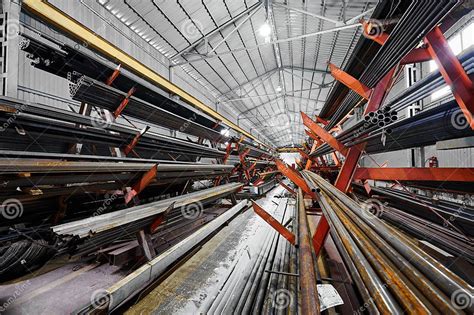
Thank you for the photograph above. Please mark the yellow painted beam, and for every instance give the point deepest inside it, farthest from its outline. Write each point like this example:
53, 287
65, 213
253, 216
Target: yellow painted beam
56, 17
287, 150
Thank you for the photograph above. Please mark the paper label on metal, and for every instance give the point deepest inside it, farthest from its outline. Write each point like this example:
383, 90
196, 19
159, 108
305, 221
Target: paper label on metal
328, 296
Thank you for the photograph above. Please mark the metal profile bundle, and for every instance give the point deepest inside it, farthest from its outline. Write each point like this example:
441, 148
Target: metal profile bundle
48, 174
251, 290
362, 54
426, 207
420, 17
442, 122
395, 274
146, 274
60, 128
101, 223
94, 92
414, 93
67, 60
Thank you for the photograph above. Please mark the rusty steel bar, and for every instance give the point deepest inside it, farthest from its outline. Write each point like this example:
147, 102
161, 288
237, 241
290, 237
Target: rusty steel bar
403, 289
309, 292
448, 282
378, 289
432, 293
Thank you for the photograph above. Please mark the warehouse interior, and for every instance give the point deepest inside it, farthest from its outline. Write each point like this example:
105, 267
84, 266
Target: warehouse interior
236, 157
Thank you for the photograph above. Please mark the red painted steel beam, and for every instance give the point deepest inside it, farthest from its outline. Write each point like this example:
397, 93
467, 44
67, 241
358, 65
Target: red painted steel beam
344, 179
452, 72
309, 161
320, 235
303, 154
450, 174
311, 135
336, 159
322, 121
113, 76
294, 176
124, 102
144, 181
416, 55
283, 231
291, 191
129, 147
323, 134
349, 81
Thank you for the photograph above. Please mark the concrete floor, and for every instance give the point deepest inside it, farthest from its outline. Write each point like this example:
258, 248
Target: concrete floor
194, 285
59, 291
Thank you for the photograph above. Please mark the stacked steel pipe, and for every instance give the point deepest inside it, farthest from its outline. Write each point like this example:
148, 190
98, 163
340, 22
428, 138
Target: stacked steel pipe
94, 92
270, 279
447, 118
419, 18
391, 272
446, 224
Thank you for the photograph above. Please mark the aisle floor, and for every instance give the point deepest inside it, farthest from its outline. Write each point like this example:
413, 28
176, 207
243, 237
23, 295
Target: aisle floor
194, 286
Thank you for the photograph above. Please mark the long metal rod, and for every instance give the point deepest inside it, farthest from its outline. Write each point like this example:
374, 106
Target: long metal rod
309, 291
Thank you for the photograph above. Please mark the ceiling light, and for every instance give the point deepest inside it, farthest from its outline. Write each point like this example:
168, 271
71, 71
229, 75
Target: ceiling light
278, 89
265, 30
225, 132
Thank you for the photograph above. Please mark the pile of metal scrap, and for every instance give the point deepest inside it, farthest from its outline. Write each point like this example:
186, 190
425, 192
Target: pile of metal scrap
392, 273
88, 235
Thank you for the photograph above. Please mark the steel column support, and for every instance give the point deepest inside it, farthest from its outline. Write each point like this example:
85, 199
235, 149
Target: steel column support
144, 181
283, 231
349, 81
294, 177
347, 171
124, 103
113, 76
129, 147
452, 72
323, 134
451, 174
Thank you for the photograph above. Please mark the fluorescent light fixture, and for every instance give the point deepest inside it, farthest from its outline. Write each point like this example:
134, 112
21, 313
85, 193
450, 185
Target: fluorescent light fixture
265, 30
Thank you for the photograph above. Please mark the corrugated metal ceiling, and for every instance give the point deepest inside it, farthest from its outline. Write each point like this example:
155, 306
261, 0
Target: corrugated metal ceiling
266, 85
